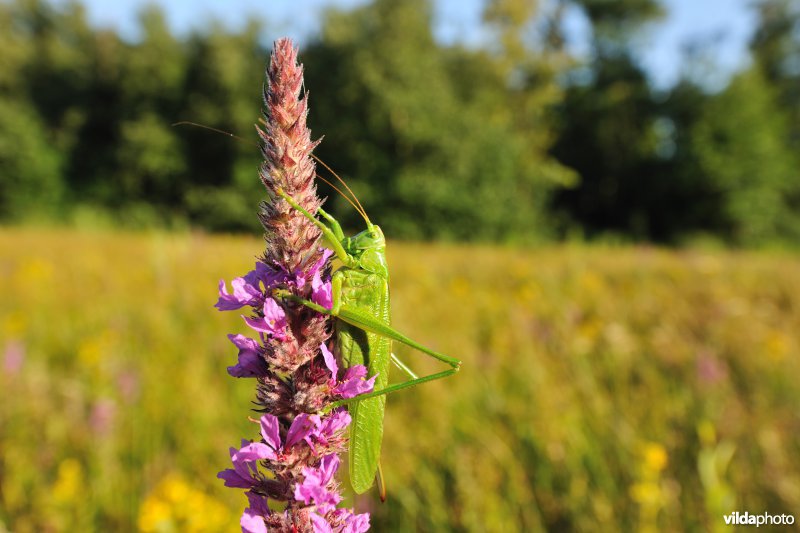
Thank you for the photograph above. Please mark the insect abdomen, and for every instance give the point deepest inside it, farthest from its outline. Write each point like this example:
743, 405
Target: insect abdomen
368, 293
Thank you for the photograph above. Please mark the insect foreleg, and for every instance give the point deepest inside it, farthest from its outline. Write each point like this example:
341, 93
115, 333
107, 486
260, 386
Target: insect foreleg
336, 300
335, 226
336, 292
329, 234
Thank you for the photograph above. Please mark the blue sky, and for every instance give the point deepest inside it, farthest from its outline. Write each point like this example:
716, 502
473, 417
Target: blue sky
724, 25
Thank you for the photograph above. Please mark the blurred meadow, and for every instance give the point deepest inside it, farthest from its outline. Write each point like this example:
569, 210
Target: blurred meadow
613, 257
629, 387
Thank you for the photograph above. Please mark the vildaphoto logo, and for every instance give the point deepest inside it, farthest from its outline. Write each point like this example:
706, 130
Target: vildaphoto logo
764, 519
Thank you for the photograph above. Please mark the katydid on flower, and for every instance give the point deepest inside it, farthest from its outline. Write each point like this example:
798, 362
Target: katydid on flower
360, 305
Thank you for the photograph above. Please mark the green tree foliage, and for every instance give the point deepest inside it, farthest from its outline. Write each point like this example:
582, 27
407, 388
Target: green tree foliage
526, 67
513, 141
617, 19
150, 167
750, 169
430, 136
97, 113
736, 151
608, 135
222, 88
684, 204
776, 47
609, 128
30, 179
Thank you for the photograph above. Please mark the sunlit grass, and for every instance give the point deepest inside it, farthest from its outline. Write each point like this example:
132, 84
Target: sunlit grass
628, 386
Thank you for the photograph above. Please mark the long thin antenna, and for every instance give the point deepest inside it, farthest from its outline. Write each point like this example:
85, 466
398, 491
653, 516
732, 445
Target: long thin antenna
342, 195
357, 205
210, 128
361, 208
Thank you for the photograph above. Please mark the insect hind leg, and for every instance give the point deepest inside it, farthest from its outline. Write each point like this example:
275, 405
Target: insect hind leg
403, 367
394, 388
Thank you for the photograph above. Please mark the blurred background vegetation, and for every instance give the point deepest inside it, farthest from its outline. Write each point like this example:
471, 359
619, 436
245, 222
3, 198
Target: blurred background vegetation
623, 388
547, 143
607, 382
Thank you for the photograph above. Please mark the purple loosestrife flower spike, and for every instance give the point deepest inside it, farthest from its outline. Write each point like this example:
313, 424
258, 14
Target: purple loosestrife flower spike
295, 457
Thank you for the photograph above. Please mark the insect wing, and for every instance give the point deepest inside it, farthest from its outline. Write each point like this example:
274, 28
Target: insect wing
366, 294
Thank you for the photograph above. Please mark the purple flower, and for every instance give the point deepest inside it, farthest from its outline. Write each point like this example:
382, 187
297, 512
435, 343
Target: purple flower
343, 520
273, 322
255, 451
271, 431
326, 254
13, 357
320, 524
250, 364
269, 276
352, 523
303, 426
353, 383
314, 487
102, 417
315, 430
330, 426
321, 292
128, 383
710, 370
244, 473
246, 289
330, 361
245, 292
252, 520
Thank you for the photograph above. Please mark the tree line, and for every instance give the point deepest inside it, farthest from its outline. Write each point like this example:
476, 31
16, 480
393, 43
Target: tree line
515, 141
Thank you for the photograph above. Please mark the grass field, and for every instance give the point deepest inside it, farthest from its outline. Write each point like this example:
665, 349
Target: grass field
630, 388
